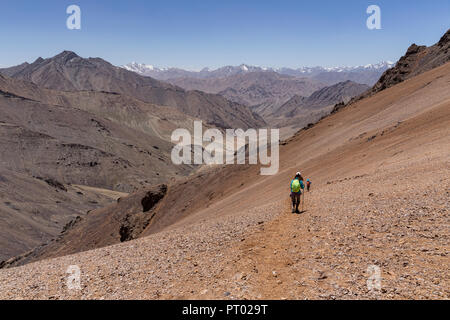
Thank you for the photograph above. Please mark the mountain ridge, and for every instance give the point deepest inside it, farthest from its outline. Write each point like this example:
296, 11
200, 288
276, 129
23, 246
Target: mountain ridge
253, 88
327, 96
69, 72
226, 71
416, 60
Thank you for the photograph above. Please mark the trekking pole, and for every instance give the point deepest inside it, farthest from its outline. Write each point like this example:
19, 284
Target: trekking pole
303, 202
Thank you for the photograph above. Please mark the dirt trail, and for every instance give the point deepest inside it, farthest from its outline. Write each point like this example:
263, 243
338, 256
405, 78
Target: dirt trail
325, 252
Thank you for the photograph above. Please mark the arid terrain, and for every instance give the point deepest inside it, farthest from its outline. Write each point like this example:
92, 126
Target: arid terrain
380, 196
68, 120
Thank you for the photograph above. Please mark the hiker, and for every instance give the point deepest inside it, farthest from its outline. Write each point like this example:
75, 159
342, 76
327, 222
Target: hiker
308, 184
296, 186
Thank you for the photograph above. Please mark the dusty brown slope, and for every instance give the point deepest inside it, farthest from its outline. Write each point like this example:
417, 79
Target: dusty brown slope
33, 210
380, 197
48, 142
69, 72
77, 146
125, 110
106, 226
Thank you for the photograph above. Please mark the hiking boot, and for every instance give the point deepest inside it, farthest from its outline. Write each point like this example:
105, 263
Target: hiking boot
293, 210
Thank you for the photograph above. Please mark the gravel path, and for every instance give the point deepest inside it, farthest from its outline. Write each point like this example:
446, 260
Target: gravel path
139, 269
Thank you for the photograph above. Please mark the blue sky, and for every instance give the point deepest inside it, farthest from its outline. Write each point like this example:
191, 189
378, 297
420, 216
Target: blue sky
211, 33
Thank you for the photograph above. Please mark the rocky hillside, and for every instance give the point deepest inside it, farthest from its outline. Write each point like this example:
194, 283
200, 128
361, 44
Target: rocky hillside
65, 153
340, 92
301, 111
69, 72
417, 59
148, 211
264, 89
125, 110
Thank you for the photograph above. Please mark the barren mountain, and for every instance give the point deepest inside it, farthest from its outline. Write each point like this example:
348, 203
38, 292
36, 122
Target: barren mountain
262, 89
368, 74
69, 72
13, 70
152, 119
58, 147
277, 98
416, 60
205, 73
340, 92
379, 200
300, 111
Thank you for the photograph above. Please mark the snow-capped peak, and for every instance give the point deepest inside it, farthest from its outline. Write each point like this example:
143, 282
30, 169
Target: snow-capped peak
170, 73
244, 67
381, 65
140, 67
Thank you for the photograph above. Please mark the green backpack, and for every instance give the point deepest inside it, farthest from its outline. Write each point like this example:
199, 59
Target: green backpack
295, 186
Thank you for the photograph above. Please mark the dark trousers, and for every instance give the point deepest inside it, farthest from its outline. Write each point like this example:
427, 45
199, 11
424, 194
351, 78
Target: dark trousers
295, 199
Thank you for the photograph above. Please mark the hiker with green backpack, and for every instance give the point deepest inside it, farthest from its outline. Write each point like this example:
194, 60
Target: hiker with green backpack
296, 191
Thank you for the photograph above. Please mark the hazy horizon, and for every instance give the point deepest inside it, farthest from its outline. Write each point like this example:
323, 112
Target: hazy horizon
207, 67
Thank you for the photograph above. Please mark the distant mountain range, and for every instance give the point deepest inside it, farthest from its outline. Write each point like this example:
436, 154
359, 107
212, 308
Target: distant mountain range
265, 90
367, 74
69, 72
340, 92
257, 88
299, 111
